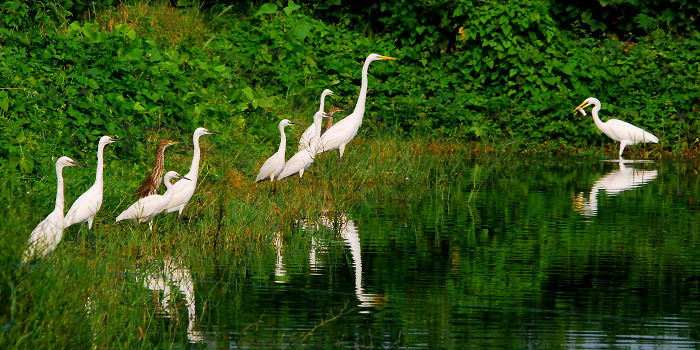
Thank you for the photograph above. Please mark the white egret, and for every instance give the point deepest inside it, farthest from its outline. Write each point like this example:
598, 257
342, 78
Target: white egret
274, 165
626, 133
146, 208
183, 190
303, 159
46, 236
89, 203
622, 179
342, 132
309, 133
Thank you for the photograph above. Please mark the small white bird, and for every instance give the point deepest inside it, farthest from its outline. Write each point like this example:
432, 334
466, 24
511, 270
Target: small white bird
89, 203
183, 190
342, 132
46, 236
146, 208
309, 133
626, 133
303, 159
274, 165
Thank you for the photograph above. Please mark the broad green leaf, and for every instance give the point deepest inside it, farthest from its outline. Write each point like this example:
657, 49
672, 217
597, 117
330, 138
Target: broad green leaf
247, 93
291, 7
301, 30
266, 9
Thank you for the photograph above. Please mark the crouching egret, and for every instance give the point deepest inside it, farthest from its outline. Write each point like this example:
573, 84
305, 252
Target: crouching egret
309, 133
150, 185
183, 190
46, 236
302, 159
88, 204
340, 134
146, 208
273, 165
626, 133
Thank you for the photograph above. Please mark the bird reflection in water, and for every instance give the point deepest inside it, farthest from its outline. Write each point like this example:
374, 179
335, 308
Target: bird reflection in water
173, 274
622, 179
349, 232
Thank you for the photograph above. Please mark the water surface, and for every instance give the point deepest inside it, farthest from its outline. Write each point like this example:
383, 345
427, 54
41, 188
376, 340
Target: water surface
533, 253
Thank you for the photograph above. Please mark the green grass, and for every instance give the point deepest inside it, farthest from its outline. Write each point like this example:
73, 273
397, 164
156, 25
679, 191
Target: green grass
229, 218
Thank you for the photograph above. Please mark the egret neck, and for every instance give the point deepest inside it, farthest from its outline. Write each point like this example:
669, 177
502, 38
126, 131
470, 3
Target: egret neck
360, 105
193, 174
59, 190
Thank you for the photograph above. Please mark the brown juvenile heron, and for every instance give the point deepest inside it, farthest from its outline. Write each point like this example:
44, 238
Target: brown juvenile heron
150, 185
329, 121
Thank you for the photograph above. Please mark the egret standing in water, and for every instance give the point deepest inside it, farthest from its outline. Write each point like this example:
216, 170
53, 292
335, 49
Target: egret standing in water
89, 203
274, 165
150, 185
329, 121
146, 208
183, 190
626, 133
46, 236
309, 133
302, 159
340, 134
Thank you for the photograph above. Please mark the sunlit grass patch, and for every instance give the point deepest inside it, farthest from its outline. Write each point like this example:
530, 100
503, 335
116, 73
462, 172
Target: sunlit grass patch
170, 25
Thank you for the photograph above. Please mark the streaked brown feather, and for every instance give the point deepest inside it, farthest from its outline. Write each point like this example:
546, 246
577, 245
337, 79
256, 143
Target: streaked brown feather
150, 185
329, 121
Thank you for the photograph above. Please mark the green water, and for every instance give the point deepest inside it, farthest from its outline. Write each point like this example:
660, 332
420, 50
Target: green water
533, 253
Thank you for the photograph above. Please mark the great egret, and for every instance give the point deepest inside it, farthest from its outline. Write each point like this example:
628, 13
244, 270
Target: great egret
302, 159
329, 121
626, 133
46, 236
309, 133
146, 208
89, 203
150, 185
183, 190
175, 274
274, 165
622, 179
345, 130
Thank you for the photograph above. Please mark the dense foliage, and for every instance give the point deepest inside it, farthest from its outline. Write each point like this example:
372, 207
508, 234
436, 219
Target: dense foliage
71, 71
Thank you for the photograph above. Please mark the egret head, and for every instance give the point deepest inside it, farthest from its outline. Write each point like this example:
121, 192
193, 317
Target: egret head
589, 101
327, 92
172, 174
106, 140
67, 161
204, 131
376, 57
286, 122
319, 115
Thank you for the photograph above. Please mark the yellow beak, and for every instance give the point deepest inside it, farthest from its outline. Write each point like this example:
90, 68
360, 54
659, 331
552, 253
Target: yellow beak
583, 104
386, 58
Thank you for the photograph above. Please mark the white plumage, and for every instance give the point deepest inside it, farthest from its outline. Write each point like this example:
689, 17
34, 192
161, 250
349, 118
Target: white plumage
626, 133
146, 208
274, 165
309, 133
342, 132
183, 190
46, 236
89, 203
303, 159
